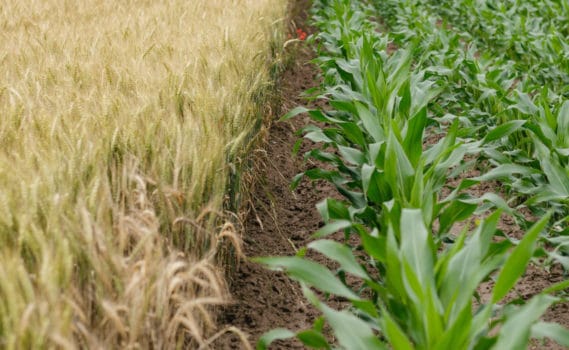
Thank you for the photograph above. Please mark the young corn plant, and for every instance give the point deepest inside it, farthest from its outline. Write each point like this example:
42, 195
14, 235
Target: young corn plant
530, 33
407, 285
493, 99
415, 298
376, 128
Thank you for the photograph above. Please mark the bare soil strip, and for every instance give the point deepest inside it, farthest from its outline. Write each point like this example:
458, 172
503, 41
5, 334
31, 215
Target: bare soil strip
279, 223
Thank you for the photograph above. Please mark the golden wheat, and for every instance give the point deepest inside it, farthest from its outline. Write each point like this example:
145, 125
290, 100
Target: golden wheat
118, 121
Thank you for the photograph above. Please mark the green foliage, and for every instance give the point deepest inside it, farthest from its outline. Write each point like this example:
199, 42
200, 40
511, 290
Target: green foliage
414, 280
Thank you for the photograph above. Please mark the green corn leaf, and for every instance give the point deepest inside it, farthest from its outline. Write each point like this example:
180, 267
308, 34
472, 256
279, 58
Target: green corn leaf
355, 197
562, 151
479, 326
558, 176
506, 171
398, 169
366, 306
515, 332
352, 155
406, 99
518, 260
543, 132
418, 199
375, 246
318, 136
296, 181
485, 343
371, 123
399, 66
394, 266
561, 259
332, 227
367, 180
503, 130
497, 202
294, 112
310, 273
441, 149
313, 339
353, 133
342, 254
457, 335
413, 287
374, 185
563, 285
320, 116
467, 268
352, 333
424, 91
553, 331
377, 154
416, 245
322, 156
344, 106
334, 177
397, 338
273, 335
455, 212
442, 265
525, 105
413, 141
332, 209
563, 123
433, 316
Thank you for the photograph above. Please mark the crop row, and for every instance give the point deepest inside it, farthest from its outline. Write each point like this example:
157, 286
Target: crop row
414, 255
487, 92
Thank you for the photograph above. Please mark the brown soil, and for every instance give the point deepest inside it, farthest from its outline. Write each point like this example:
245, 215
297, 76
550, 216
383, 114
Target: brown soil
280, 223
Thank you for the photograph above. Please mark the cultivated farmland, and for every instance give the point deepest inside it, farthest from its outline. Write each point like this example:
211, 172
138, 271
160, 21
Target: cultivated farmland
413, 195
121, 124
444, 130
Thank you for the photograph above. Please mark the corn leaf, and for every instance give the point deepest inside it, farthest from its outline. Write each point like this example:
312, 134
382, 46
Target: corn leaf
503, 130
273, 335
394, 333
313, 339
310, 273
518, 260
342, 254
416, 245
352, 333
515, 332
370, 122
294, 112
553, 331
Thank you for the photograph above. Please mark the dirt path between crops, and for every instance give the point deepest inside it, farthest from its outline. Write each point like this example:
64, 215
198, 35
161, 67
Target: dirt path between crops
280, 222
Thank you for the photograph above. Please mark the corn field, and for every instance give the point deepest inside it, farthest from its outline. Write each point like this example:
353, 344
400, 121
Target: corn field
427, 101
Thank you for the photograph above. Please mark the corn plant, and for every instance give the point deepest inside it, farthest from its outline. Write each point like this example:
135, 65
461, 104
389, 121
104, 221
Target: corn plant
381, 159
487, 93
415, 285
529, 33
422, 299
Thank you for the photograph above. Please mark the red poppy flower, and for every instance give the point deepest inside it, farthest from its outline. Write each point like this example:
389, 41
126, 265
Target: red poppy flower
301, 34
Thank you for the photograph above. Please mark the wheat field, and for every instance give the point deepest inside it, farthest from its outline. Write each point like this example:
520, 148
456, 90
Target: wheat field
119, 125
